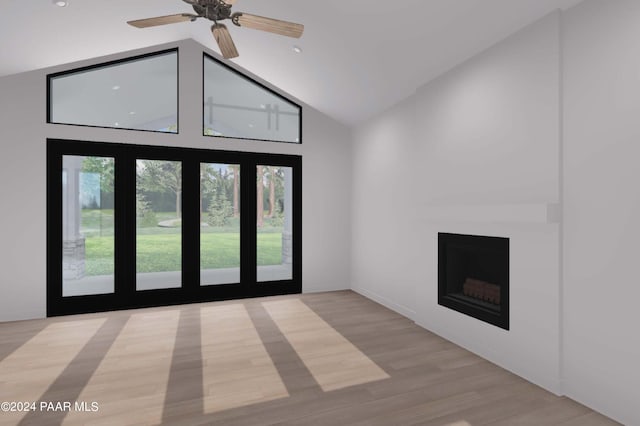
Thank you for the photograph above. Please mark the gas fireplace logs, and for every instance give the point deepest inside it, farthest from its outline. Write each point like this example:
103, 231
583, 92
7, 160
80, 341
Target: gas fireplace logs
481, 290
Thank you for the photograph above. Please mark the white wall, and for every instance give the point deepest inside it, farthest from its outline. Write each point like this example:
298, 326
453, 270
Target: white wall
602, 207
483, 137
22, 185
549, 117
386, 249
489, 133
23, 133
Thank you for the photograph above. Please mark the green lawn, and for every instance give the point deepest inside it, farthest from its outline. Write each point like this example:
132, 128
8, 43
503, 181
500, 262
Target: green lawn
97, 223
162, 252
99, 255
159, 248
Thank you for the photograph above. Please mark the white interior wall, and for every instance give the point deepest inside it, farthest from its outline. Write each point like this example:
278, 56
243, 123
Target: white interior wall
489, 137
481, 140
22, 185
386, 247
23, 134
546, 119
602, 205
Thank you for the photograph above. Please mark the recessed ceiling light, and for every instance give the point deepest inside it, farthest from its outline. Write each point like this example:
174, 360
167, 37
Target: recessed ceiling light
116, 124
297, 49
132, 113
116, 87
263, 106
251, 126
61, 3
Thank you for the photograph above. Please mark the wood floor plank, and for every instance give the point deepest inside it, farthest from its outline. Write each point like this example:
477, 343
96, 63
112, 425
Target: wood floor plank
589, 419
554, 413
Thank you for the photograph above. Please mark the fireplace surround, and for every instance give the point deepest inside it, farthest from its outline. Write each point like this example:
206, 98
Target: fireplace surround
473, 276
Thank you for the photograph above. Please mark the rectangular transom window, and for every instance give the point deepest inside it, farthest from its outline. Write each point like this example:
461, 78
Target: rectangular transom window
237, 107
139, 93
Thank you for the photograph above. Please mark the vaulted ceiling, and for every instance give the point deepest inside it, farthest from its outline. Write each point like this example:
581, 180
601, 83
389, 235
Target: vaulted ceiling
359, 56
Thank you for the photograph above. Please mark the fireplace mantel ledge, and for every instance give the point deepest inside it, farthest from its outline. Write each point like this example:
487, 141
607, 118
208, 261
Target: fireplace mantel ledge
549, 213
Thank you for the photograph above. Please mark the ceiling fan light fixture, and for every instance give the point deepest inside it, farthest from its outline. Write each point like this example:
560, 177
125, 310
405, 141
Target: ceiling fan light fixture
61, 3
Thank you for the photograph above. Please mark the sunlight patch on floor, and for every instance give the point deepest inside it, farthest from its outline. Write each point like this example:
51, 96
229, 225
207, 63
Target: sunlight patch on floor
131, 382
333, 361
237, 368
29, 371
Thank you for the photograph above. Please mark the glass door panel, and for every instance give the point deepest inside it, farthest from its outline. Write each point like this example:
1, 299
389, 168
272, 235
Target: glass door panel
158, 224
219, 224
87, 225
274, 223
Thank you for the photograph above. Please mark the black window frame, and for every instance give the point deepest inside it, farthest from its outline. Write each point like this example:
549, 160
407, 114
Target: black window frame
117, 62
125, 295
206, 56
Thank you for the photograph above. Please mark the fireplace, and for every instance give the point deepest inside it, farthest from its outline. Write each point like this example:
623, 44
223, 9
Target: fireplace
473, 276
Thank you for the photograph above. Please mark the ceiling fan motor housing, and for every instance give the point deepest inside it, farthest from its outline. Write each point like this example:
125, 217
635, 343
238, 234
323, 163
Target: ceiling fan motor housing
214, 10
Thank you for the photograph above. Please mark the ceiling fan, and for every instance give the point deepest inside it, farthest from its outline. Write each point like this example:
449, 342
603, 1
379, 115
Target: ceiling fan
219, 10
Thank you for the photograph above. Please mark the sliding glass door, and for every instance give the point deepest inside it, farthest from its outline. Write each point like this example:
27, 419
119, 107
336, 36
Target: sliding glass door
275, 223
88, 256
219, 224
158, 224
132, 226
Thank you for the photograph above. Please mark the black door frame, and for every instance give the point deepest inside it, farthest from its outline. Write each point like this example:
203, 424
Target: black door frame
125, 295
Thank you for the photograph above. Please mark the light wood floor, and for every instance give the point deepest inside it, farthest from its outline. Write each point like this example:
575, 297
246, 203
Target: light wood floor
319, 359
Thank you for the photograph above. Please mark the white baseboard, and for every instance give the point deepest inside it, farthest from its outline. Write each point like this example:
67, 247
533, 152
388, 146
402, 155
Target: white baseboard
396, 307
322, 289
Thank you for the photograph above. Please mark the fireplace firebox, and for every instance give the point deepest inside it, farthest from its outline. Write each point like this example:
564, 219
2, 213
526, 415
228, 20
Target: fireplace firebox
473, 276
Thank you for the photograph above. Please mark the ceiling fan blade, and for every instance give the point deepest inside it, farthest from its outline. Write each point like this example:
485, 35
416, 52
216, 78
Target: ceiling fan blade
230, 2
161, 20
289, 29
224, 40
